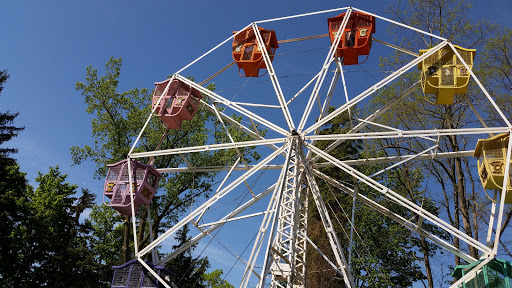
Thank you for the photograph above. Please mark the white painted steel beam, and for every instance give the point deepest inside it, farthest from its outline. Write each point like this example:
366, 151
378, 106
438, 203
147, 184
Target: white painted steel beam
409, 133
273, 78
507, 122
403, 25
302, 15
374, 88
324, 70
211, 201
329, 228
471, 274
264, 227
355, 162
213, 227
402, 201
506, 180
211, 147
376, 114
396, 217
217, 98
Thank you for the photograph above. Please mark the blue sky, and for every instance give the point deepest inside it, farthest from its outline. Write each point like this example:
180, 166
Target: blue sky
46, 46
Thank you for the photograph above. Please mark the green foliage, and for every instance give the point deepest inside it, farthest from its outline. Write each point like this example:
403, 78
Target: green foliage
214, 280
61, 255
46, 244
190, 271
457, 197
7, 131
105, 241
13, 229
496, 69
118, 116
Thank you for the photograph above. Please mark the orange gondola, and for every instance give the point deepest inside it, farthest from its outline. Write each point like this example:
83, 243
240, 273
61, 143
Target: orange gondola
247, 53
356, 39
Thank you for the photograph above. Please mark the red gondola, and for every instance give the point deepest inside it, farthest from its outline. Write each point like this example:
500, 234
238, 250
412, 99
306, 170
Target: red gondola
247, 53
356, 39
180, 102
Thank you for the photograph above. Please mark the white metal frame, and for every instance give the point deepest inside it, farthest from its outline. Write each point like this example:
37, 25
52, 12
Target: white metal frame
284, 225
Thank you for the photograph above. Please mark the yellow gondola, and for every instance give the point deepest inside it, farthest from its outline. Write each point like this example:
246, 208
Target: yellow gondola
443, 74
491, 154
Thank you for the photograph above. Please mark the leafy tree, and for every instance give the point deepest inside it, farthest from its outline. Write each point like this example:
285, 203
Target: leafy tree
496, 68
214, 280
46, 246
105, 241
59, 251
118, 118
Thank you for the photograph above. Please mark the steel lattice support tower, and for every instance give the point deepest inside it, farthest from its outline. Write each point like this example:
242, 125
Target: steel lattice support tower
289, 247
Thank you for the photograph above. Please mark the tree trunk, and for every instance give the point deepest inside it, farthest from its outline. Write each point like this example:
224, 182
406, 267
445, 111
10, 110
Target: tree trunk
126, 239
426, 259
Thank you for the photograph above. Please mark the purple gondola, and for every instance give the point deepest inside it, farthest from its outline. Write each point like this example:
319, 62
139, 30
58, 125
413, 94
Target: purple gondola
145, 180
180, 102
133, 275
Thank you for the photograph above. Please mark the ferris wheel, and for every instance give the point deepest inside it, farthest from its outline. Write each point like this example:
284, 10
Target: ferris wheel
285, 120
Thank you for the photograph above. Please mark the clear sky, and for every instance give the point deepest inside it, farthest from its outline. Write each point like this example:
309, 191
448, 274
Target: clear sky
46, 46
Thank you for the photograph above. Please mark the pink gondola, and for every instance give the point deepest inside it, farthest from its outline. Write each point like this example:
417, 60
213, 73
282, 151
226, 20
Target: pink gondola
145, 180
179, 102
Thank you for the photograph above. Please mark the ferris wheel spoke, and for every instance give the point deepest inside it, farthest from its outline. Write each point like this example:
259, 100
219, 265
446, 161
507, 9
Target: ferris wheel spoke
211, 201
211, 147
495, 106
234, 106
220, 223
323, 72
330, 91
506, 179
374, 115
394, 159
254, 134
273, 79
269, 219
409, 133
414, 227
216, 168
336, 268
374, 88
327, 223
407, 158
397, 198
402, 24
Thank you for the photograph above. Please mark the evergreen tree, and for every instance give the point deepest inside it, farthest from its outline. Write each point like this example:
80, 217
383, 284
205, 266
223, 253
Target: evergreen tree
189, 270
14, 209
13, 201
7, 131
